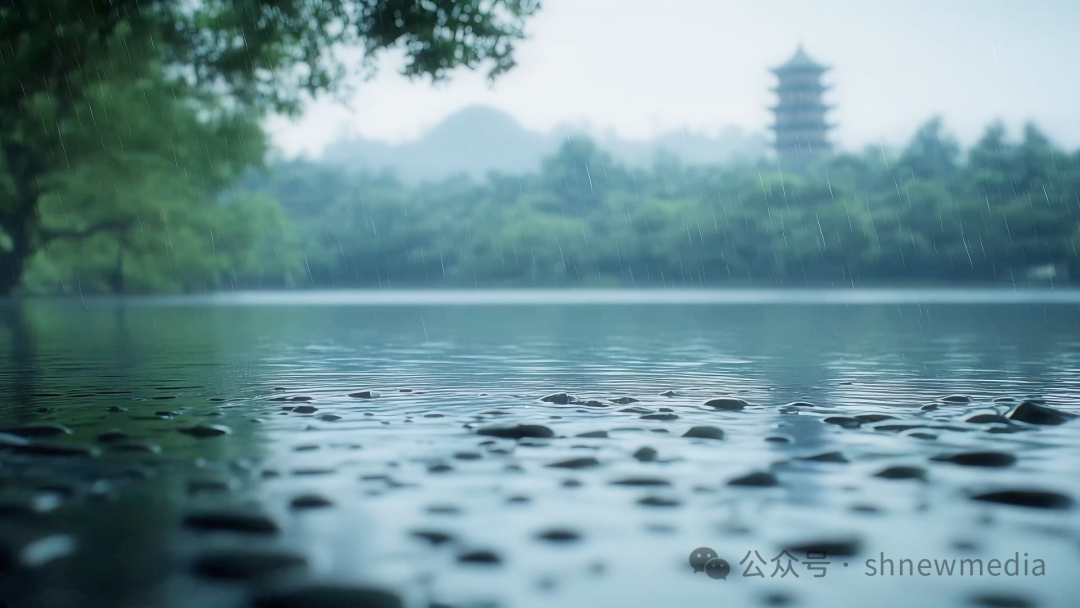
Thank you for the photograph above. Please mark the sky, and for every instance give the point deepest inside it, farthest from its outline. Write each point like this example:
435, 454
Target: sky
643, 67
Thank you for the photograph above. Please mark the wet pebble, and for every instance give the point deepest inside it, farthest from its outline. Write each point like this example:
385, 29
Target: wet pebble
645, 454
661, 417
327, 595
669, 394
704, 432
246, 564
843, 422
978, 459
594, 435
223, 521
559, 535
1037, 499
624, 400
329, 417
987, 419
635, 410
557, 398
760, 479
113, 436
206, 431
519, 431
440, 468
873, 417
576, 463
956, 399
641, 482
1034, 413
480, 556
365, 395
468, 456
727, 403
826, 457
778, 439
659, 501
116, 409
902, 472
309, 501
305, 409
435, 537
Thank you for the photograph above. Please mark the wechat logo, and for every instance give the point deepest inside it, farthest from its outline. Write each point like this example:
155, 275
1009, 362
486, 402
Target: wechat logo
704, 559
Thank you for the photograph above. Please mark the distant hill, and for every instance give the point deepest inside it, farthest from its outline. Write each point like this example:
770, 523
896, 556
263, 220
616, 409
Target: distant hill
477, 140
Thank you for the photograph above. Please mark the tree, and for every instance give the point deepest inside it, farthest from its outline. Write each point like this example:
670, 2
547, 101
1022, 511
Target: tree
932, 154
220, 56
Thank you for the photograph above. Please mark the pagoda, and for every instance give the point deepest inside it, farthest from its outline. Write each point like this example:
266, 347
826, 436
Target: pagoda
800, 114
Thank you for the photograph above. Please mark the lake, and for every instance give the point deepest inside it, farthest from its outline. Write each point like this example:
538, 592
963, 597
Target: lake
392, 448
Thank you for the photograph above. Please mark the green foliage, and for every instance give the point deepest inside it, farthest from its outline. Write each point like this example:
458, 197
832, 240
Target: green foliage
925, 216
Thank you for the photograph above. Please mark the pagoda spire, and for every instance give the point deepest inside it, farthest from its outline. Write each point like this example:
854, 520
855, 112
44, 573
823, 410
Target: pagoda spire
800, 125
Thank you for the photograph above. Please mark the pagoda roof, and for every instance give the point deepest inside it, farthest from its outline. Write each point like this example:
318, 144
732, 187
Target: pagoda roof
796, 108
800, 62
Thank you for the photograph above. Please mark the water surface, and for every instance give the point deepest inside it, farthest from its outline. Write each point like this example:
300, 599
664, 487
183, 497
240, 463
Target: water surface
409, 462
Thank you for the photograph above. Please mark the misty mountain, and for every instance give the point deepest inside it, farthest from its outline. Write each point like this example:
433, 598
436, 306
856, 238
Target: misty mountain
478, 140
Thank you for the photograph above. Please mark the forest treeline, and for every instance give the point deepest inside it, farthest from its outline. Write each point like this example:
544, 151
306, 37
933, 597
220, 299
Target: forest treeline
1005, 210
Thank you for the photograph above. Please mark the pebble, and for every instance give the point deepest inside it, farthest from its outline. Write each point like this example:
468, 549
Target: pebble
635, 410
645, 454
468, 456
661, 417
704, 432
987, 419
329, 417
760, 479
327, 595
669, 394
1038, 499
221, 521
557, 398
727, 403
309, 501
559, 535
594, 435
843, 422
826, 457
116, 409
978, 459
902, 472
1034, 413
641, 482
956, 399
874, 417
481, 556
576, 463
305, 409
659, 501
624, 400
365, 395
205, 431
517, 432
246, 564
440, 468
434, 537
837, 547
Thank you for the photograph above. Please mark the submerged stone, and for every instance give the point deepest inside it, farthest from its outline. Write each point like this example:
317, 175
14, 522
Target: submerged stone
987, 419
305, 409
902, 472
704, 432
1034, 413
1037, 499
641, 481
727, 403
843, 421
826, 457
760, 479
557, 398
978, 459
310, 501
559, 535
669, 394
834, 547
223, 521
205, 431
329, 417
659, 501
519, 431
246, 564
624, 400
365, 395
593, 435
481, 556
874, 417
326, 595
661, 417
576, 463
645, 454
956, 399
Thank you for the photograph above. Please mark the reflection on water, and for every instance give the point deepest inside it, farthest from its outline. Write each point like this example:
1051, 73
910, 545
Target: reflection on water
401, 491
